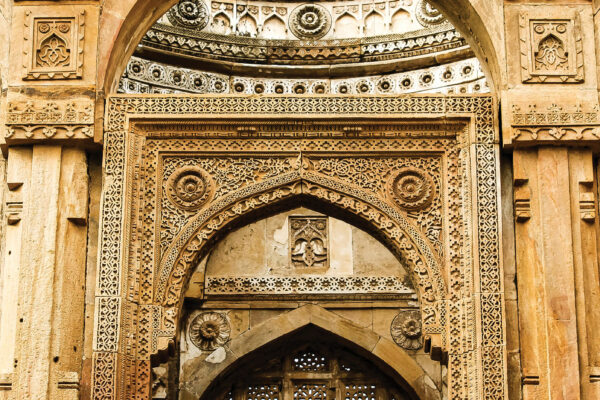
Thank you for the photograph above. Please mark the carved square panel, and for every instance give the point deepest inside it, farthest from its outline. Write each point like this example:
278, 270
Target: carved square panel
53, 46
309, 242
551, 49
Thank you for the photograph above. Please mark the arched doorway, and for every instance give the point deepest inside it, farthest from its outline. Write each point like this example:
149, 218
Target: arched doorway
309, 364
208, 133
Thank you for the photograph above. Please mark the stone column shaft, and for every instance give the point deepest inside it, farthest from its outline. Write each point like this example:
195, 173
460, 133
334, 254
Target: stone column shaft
557, 272
52, 274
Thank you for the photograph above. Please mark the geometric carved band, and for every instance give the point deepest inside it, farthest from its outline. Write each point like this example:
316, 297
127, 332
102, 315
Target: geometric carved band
306, 285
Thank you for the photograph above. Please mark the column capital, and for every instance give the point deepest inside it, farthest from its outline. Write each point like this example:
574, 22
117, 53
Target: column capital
33, 121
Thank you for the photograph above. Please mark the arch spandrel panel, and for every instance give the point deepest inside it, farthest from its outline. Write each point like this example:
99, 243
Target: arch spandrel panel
459, 130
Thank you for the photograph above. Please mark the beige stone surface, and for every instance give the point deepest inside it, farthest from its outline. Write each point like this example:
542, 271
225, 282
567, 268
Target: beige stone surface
53, 220
263, 248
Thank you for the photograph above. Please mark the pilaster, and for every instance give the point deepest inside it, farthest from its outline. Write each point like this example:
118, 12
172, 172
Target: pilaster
45, 270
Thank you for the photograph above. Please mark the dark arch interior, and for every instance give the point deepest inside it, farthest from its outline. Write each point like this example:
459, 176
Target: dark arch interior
309, 364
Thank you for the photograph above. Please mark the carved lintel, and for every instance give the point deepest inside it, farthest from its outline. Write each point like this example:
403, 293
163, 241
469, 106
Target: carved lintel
13, 212
555, 124
587, 202
522, 201
531, 379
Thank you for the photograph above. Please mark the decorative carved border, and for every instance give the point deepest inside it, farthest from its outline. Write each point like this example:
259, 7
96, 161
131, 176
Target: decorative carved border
210, 46
577, 126
217, 286
476, 356
27, 121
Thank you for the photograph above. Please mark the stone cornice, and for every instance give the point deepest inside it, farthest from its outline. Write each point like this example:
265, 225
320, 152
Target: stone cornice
554, 125
57, 120
177, 42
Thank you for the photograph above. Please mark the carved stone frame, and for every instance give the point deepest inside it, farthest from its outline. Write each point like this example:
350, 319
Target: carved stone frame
73, 41
574, 45
469, 325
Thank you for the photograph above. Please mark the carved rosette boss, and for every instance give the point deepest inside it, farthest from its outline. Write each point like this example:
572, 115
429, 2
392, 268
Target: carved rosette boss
428, 14
406, 330
310, 21
189, 188
412, 189
209, 330
191, 14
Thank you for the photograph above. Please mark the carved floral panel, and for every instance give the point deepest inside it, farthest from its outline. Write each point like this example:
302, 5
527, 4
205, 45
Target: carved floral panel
551, 49
309, 241
53, 46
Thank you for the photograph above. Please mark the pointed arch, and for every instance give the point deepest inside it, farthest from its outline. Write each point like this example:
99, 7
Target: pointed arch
275, 26
383, 350
403, 239
374, 23
347, 23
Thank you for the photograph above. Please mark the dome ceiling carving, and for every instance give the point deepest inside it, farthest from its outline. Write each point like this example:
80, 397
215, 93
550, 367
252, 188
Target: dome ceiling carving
354, 47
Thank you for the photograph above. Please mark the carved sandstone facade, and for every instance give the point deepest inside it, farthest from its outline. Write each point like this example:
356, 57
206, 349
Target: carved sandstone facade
227, 200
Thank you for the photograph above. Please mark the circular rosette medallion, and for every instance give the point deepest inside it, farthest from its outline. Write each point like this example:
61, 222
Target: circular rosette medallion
191, 14
428, 14
412, 189
406, 330
189, 188
209, 330
310, 21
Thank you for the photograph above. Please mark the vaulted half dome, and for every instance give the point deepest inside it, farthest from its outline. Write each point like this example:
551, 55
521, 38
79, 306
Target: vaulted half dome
279, 47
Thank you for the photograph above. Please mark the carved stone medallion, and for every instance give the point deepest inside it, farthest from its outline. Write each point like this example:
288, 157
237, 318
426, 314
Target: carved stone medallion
427, 14
191, 14
209, 330
406, 330
412, 189
189, 188
310, 21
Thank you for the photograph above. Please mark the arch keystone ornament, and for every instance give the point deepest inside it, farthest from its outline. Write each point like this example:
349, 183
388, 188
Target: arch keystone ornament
148, 139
